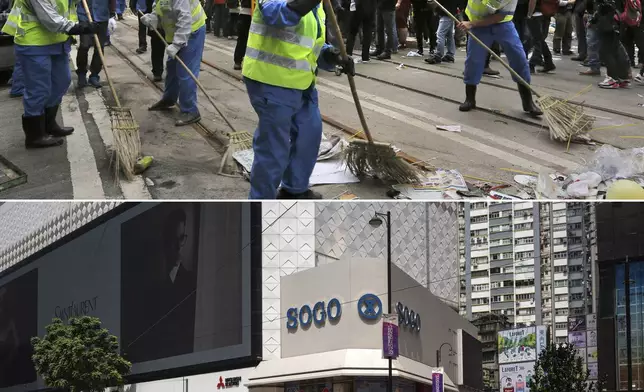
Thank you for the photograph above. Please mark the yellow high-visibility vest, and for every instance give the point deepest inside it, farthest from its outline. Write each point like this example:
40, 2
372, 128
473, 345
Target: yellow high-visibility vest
284, 56
27, 29
479, 9
169, 25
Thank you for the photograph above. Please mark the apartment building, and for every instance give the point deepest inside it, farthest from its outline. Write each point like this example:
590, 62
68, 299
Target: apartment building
531, 262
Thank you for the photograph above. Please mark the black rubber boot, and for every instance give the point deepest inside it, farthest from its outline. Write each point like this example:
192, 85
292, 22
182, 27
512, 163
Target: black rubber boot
161, 105
187, 119
470, 98
308, 195
52, 127
528, 104
35, 135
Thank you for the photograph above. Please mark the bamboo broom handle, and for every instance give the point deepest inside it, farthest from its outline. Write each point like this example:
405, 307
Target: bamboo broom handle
352, 84
98, 48
203, 90
496, 56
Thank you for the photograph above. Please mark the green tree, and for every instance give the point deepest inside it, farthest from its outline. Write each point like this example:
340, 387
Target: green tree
559, 368
79, 356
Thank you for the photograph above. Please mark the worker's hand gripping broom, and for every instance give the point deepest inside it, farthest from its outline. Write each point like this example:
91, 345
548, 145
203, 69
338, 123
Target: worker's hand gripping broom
368, 156
564, 120
238, 140
127, 142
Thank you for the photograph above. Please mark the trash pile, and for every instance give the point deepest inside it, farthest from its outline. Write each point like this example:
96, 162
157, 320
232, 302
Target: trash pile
612, 174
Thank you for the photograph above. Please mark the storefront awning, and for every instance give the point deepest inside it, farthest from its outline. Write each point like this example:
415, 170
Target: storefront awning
340, 363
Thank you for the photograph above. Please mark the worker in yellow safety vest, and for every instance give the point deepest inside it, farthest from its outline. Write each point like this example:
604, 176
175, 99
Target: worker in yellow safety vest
286, 44
184, 24
41, 31
490, 20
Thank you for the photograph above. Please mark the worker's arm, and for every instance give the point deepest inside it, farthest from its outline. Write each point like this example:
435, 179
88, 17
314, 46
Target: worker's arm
49, 16
330, 57
183, 26
280, 13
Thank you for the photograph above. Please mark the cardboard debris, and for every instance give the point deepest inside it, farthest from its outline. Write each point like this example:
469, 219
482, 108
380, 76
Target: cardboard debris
449, 128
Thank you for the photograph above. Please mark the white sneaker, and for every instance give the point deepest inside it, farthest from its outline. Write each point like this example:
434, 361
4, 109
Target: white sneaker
609, 83
639, 79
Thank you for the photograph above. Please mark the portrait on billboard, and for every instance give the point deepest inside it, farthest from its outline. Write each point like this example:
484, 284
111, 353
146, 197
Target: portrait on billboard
18, 324
180, 283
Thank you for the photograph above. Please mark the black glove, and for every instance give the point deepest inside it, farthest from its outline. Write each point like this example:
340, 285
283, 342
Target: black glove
302, 7
83, 28
333, 57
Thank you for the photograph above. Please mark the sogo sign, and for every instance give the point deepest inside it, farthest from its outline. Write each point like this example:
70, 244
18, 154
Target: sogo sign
407, 317
318, 315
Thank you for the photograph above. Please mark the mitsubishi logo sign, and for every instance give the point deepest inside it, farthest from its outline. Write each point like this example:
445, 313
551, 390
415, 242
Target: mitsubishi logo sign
231, 382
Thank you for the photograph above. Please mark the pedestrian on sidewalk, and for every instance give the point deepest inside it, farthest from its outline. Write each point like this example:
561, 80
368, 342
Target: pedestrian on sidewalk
489, 20
385, 26
230, 31
402, 16
142, 6
363, 16
520, 20
539, 14
562, 41
611, 51
102, 11
579, 19
631, 29
209, 9
41, 38
592, 39
420, 9
243, 27
220, 17
184, 23
446, 45
280, 80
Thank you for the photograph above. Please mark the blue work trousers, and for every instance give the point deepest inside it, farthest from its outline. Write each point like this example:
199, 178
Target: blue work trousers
178, 83
46, 78
17, 79
120, 7
287, 139
445, 37
506, 35
592, 38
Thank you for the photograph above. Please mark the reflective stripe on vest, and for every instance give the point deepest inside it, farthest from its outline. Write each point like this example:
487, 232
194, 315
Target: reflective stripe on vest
169, 24
27, 30
480, 9
285, 56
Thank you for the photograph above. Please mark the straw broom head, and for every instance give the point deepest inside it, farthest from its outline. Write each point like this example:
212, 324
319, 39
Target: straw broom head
380, 160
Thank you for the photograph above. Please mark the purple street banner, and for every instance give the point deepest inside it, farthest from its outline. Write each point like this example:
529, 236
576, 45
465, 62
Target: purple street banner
437, 380
390, 336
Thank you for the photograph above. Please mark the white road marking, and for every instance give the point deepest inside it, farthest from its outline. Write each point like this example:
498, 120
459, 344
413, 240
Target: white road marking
86, 181
474, 144
132, 190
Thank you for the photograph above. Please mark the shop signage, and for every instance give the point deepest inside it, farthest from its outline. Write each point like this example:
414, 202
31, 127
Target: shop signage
370, 307
408, 318
437, 380
230, 382
305, 316
390, 336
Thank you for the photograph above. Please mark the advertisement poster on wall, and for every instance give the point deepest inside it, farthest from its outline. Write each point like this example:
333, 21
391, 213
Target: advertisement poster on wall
591, 340
517, 345
577, 339
515, 377
390, 336
593, 368
591, 322
591, 355
437, 380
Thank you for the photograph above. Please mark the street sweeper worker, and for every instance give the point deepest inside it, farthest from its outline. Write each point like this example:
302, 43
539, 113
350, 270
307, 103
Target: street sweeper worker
490, 21
286, 44
184, 24
41, 31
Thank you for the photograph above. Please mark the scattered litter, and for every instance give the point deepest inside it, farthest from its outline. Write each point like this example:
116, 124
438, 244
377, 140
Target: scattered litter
401, 66
346, 195
149, 182
449, 128
446, 179
143, 164
502, 196
330, 148
332, 172
417, 192
438, 185
525, 180
414, 54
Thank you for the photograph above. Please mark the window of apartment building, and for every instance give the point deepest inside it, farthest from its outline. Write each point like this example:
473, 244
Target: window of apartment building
479, 260
560, 255
577, 296
561, 325
558, 213
508, 283
495, 270
524, 255
495, 285
577, 311
499, 228
496, 214
525, 312
575, 268
478, 206
562, 339
547, 315
559, 241
500, 242
482, 240
478, 219
525, 297
480, 287
561, 268
561, 297
561, 312
574, 226
561, 283
574, 254
524, 283
525, 269
480, 301
525, 213
479, 274
497, 298
489, 356
501, 256
523, 241
478, 233
575, 283
523, 226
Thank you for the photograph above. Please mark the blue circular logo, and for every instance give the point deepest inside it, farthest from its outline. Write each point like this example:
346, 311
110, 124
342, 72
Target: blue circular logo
370, 307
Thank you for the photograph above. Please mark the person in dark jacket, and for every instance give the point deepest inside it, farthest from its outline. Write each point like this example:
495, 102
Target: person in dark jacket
421, 19
243, 28
385, 26
363, 14
538, 23
592, 40
579, 11
611, 51
631, 36
233, 14
102, 11
562, 41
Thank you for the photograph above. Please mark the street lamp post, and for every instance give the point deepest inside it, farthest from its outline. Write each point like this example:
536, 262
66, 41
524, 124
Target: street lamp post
438, 353
629, 354
376, 221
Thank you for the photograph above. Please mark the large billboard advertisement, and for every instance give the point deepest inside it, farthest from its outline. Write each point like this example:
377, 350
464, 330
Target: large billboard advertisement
515, 377
172, 280
517, 345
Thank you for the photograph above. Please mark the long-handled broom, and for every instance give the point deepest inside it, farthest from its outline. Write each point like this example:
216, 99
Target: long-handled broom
369, 156
127, 142
565, 120
238, 140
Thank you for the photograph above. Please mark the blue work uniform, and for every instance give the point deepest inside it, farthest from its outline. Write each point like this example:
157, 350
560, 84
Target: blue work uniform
17, 79
179, 85
506, 35
120, 7
288, 136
